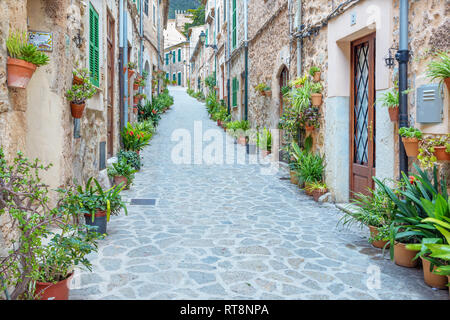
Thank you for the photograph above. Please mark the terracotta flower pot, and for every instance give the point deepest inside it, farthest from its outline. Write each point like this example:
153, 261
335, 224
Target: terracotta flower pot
77, 80
377, 244
135, 110
411, 146
318, 193
242, 140
135, 86
447, 83
316, 99
19, 72
219, 123
136, 99
317, 76
53, 291
404, 257
77, 110
294, 177
119, 179
394, 113
130, 73
268, 93
441, 154
432, 279
309, 128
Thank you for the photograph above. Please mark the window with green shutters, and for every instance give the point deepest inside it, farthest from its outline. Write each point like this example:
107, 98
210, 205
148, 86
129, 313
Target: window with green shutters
179, 55
234, 23
93, 46
174, 55
174, 77
235, 90
206, 41
167, 59
179, 78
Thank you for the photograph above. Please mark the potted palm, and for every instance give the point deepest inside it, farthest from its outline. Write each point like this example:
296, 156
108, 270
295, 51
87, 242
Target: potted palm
122, 173
98, 205
410, 139
23, 59
390, 100
79, 93
315, 73
440, 69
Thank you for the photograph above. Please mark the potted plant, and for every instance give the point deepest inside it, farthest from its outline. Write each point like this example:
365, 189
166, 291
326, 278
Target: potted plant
264, 142
79, 93
98, 205
134, 139
122, 173
440, 69
315, 73
390, 100
410, 139
263, 89
310, 168
317, 189
433, 149
316, 94
23, 59
131, 157
131, 68
138, 82
375, 211
310, 118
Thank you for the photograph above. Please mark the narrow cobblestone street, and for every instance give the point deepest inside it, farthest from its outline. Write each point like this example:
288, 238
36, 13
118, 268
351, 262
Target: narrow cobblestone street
231, 232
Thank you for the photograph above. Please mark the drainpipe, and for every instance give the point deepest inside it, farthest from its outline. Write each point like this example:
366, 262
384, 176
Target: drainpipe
125, 63
159, 38
246, 57
402, 57
299, 41
141, 35
228, 56
121, 64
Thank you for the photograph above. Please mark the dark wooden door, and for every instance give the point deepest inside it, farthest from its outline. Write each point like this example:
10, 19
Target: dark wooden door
110, 85
284, 80
362, 115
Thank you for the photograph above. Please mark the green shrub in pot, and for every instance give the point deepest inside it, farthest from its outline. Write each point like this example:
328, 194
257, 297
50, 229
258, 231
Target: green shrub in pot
131, 157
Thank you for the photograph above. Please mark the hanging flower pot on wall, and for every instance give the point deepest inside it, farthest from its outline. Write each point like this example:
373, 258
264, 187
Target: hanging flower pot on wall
19, 72
77, 110
317, 76
309, 128
130, 73
441, 154
316, 99
411, 146
393, 113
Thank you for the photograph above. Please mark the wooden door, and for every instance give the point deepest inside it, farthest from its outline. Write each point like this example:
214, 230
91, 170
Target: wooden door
284, 81
110, 85
362, 115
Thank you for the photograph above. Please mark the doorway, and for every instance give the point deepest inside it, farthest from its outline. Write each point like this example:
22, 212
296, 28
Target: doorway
362, 115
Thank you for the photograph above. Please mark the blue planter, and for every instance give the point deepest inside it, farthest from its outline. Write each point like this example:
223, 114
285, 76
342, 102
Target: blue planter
99, 221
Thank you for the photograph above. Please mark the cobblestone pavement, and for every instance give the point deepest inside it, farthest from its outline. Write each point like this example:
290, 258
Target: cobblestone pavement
231, 232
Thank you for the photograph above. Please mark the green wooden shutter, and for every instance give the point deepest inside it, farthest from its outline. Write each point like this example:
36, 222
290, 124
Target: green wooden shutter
206, 41
174, 55
179, 78
167, 59
179, 55
93, 46
235, 91
233, 29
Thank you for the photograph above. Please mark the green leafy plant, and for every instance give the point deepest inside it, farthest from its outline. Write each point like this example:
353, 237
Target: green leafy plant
210, 81
264, 140
311, 167
79, 93
426, 155
407, 132
310, 117
19, 48
261, 87
132, 65
439, 68
93, 198
390, 99
316, 87
131, 157
313, 70
134, 139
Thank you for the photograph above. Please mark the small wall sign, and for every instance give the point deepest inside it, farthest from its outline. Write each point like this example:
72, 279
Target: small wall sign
42, 40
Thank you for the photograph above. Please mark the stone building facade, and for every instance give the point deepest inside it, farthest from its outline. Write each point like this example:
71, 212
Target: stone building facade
286, 38
37, 120
197, 72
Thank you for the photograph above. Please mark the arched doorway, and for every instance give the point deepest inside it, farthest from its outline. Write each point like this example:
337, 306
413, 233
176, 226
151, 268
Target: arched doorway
148, 86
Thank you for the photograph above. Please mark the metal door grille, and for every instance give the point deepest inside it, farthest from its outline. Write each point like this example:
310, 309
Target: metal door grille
361, 104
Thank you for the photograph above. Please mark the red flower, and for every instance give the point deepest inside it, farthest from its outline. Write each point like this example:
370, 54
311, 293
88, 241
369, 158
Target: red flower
154, 111
412, 179
130, 133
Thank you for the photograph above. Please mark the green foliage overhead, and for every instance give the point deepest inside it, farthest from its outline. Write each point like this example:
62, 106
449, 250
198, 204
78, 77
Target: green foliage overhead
198, 18
181, 5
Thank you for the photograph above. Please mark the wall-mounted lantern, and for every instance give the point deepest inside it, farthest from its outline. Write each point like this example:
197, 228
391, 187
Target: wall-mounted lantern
78, 39
389, 60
